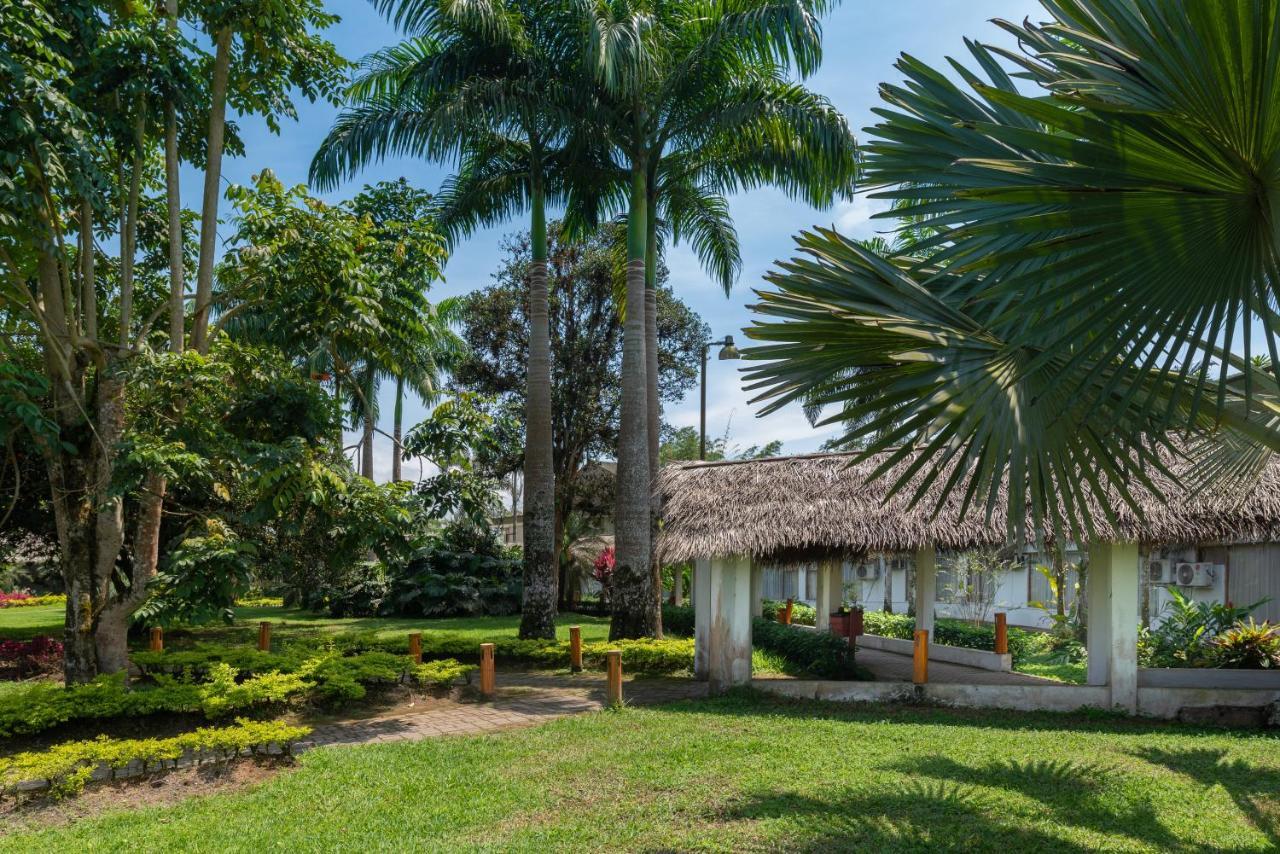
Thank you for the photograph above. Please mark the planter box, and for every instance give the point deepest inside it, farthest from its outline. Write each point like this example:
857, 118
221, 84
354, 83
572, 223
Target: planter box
847, 625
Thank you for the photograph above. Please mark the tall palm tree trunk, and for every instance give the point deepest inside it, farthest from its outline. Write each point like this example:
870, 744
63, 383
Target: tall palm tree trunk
634, 606
177, 276
212, 177
397, 433
653, 406
538, 610
366, 446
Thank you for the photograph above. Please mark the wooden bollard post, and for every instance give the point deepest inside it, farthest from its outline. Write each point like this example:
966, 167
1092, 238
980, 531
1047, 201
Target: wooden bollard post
614, 660
575, 649
786, 614
415, 647
1002, 633
157, 639
486, 670
920, 658
264, 636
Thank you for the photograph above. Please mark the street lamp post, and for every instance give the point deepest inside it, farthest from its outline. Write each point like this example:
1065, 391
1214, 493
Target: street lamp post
728, 352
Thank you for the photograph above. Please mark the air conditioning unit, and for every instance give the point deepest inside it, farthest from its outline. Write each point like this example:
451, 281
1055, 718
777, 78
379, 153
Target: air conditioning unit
1160, 572
1196, 574
867, 571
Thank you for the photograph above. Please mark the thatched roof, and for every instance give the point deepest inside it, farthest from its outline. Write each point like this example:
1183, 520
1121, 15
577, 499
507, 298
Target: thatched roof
803, 507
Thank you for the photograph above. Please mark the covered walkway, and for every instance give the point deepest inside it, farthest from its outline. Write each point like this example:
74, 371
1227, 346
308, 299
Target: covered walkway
895, 667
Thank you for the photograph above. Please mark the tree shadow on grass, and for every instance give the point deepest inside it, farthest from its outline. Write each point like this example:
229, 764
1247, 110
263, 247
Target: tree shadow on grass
747, 702
1072, 793
1255, 791
920, 817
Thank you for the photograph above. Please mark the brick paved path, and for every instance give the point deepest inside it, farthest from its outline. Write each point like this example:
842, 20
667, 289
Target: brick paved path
523, 699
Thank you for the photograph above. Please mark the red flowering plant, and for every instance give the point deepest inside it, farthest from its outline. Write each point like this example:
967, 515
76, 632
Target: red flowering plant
602, 571
24, 659
15, 596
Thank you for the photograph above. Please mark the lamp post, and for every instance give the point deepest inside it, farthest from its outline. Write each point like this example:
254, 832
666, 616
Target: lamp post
728, 352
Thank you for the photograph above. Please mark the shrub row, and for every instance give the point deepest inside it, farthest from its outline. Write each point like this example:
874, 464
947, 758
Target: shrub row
950, 633
23, 659
66, 768
26, 600
801, 614
819, 653
677, 621
215, 689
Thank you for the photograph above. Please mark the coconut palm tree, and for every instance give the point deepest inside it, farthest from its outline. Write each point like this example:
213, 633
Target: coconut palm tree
1104, 261
698, 102
490, 85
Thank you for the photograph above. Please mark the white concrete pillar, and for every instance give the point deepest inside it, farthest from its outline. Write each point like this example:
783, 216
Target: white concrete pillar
701, 600
926, 589
722, 629
829, 593
1112, 588
757, 590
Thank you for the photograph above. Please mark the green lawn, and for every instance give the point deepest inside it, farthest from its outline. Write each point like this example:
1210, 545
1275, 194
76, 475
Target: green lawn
1051, 666
25, 623
746, 773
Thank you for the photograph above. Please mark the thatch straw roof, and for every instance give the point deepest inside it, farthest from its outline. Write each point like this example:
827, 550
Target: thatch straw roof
804, 507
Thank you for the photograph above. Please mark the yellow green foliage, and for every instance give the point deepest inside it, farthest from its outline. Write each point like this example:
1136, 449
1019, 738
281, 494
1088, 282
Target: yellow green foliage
66, 768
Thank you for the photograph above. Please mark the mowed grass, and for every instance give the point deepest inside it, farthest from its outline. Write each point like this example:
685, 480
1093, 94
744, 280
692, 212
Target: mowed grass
21, 623
745, 773
26, 623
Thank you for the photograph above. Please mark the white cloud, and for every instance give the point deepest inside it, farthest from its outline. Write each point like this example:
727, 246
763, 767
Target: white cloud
853, 218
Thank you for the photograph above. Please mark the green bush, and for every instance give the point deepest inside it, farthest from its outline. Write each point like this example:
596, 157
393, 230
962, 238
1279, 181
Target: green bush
1250, 646
949, 632
66, 768
820, 653
677, 621
442, 673
801, 614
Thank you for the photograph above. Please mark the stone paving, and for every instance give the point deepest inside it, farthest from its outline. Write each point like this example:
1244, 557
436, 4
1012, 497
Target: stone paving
522, 699
894, 667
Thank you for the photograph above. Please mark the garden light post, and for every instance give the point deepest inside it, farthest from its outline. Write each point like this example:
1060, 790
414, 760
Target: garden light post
728, 352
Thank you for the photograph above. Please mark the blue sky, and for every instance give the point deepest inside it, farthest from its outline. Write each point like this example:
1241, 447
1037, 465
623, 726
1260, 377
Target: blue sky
862, 41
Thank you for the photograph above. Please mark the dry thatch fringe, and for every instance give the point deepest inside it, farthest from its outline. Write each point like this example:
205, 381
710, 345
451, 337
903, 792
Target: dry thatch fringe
821, 505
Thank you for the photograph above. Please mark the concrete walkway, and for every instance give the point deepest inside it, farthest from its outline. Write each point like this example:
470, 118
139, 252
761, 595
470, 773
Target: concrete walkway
894, 667
523, 699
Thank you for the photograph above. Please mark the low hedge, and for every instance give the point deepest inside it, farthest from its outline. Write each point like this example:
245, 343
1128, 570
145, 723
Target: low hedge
801, 614
24, 600
949, 632
66, 768
215, 688
677, 621
820, 653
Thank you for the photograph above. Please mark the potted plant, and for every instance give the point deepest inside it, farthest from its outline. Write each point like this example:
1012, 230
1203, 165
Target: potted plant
846, 621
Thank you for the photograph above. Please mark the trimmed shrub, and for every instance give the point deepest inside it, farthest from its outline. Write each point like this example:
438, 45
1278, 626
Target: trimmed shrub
819, 653
66, 768
677, 620
950, 633
801, 614
442, 673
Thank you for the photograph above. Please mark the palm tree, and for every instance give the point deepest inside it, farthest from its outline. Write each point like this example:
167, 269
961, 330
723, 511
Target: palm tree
709, 87
490, 85
1102, 265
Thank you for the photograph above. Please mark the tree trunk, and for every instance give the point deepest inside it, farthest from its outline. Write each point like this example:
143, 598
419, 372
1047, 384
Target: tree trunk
212, 179
88, 283
653, 404
129, 233
397, 433
634, 605
366, 447
538, 609
112, 635
177, 276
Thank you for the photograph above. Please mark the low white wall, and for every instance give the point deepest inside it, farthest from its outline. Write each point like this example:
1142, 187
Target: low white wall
1167, 702
979, 658
1152, 702
1208, 678
1058, 698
